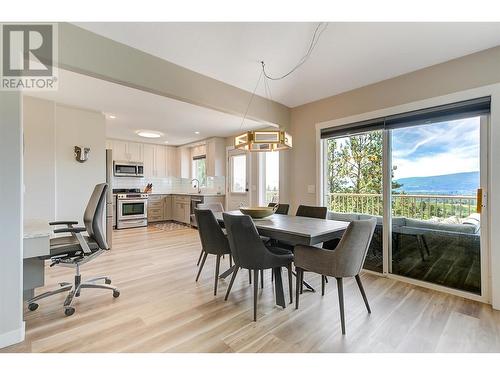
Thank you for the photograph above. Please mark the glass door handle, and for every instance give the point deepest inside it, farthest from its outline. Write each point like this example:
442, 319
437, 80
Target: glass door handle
479, 200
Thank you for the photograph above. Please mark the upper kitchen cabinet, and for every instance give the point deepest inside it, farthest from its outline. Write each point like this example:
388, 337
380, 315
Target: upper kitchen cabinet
184, 162
173, 166
155, 160
126, 151
160, 161
216, 157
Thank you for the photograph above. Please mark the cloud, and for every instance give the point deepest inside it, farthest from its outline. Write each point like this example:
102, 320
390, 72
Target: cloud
436, 149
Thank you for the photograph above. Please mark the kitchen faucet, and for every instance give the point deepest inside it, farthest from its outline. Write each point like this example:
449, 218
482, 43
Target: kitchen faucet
197, 185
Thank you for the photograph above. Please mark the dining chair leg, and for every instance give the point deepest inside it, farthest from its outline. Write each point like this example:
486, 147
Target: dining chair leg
290, 289
199, 258
272, 276
249, 276
217, 265
255, 291
262, 279
340, 287
201, 266
326, 279
323, 280
236, 268
302, 281
362, 290
230, 260
298, 272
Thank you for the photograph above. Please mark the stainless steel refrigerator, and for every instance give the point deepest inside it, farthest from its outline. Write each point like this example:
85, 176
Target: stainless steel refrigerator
109, 198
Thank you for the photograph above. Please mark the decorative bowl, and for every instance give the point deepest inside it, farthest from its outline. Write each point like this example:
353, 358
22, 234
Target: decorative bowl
258, 212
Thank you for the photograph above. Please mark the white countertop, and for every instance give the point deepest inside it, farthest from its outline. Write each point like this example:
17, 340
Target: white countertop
190, 194
35, 228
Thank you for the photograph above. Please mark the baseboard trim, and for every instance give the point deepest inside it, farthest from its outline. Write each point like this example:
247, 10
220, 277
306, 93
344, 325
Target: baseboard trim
12, 337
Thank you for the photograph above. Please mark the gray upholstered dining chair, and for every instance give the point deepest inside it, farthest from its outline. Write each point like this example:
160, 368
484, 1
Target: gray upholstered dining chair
345, 261
75, 250
249, 252
316, 212
282, 208
214, 207
213, 240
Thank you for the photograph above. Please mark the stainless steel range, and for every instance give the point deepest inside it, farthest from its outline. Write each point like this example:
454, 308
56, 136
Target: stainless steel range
131, 209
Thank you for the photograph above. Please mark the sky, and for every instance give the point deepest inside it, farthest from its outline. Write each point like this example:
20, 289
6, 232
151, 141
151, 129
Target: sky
436, 149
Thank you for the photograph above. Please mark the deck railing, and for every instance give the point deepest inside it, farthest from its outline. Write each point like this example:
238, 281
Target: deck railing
407, 205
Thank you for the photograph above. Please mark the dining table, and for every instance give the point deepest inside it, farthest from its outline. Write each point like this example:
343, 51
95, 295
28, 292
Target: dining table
291, 230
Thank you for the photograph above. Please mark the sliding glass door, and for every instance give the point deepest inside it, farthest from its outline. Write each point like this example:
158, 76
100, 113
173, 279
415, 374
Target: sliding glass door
436, 221
423, 176
353, 185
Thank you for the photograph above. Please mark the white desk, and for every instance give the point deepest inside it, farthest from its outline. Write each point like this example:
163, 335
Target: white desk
36, 243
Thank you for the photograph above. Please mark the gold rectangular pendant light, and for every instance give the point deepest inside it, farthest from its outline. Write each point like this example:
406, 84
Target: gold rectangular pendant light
264, 140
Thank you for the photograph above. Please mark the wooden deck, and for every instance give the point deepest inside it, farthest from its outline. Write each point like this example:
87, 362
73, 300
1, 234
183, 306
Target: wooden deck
162, 309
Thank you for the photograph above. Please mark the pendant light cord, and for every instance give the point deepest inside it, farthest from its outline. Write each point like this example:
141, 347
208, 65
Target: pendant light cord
320, 28
251, 99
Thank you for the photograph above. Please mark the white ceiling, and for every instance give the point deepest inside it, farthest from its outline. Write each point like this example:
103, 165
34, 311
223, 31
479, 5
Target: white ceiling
135, 109
348, 55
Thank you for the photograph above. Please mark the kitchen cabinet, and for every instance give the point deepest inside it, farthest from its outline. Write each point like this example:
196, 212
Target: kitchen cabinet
160, 161
125, 151
119, 150
216, 157
155, 161
167, 207
172, 162
181, 208
156, 211
184, 161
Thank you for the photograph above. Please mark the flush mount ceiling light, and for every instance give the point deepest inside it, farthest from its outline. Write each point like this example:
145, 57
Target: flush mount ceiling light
112, 117
279, 139
196, 132
149, 133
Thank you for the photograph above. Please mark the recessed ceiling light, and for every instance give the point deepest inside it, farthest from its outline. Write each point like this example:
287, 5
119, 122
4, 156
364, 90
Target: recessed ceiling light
112, 116
196, 132
166, 141
149, 133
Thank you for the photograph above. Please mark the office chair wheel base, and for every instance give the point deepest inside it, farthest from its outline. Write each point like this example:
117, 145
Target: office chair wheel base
107, 281
32, 306
116, 293
68, 311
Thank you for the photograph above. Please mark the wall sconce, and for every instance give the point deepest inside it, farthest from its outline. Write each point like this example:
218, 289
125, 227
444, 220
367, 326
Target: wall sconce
81, 154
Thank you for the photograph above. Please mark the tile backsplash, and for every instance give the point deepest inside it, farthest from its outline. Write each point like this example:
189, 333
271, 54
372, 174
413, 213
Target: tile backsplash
168, 185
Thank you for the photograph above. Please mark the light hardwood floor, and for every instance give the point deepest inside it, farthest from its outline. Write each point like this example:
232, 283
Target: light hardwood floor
162, 309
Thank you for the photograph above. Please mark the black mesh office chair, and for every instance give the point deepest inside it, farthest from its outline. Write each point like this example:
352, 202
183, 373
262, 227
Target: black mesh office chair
77, 249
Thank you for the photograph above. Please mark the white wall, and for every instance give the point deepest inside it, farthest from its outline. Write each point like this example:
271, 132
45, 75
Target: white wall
39, 159
11, 313
75, 181
57, 186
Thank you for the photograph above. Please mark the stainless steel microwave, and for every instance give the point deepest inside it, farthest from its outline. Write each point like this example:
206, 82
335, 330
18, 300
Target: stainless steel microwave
128, 169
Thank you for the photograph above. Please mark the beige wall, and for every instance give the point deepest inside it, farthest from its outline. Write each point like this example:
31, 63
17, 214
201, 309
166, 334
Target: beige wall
467, 72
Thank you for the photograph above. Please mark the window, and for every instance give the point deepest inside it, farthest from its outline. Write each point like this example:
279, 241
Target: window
200, 169
239, 173
272, 177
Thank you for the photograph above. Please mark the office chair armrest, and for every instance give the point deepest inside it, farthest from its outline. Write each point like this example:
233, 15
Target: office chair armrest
64, 222
70, 230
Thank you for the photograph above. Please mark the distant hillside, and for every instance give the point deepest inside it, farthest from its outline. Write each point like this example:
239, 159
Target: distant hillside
453, 184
